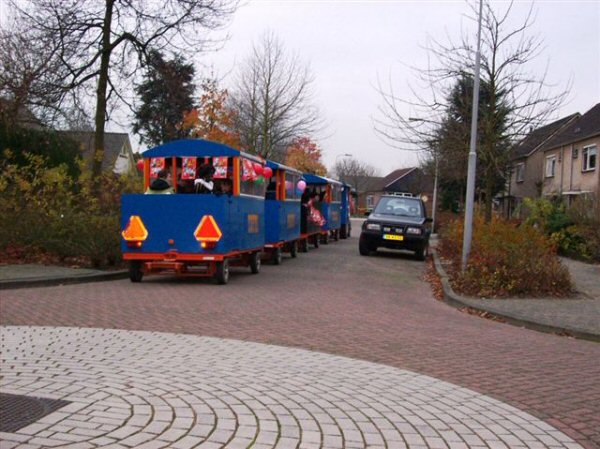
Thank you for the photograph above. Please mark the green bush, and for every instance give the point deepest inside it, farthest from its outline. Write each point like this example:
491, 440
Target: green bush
506, 260
49, 212
575, 231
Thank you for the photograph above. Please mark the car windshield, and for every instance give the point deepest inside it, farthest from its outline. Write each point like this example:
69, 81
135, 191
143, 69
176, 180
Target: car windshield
406, 207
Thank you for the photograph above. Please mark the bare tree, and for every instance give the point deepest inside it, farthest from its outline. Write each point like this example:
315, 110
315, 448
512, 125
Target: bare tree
30, 76
102, 43
355, 172
272, 100
517, 100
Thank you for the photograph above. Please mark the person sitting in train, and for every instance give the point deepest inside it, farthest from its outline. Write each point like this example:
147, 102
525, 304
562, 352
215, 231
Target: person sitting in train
162, 183
271, 191
204, 183
225, 186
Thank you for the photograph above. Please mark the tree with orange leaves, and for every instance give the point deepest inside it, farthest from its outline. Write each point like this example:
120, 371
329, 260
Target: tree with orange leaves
303, 154
213, 119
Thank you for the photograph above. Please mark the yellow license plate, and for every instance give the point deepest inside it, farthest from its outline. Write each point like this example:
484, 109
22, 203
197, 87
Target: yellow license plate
393, 237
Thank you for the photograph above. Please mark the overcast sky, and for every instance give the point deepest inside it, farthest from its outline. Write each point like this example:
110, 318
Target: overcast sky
348, 44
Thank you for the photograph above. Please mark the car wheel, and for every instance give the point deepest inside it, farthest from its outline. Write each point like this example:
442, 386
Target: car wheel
422, 253
255, 262
222, 272
363, 248
135, 271
277, 257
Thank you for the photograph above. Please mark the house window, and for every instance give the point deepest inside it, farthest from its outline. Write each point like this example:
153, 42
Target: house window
520, 172
550, 166
590, 156
370, 201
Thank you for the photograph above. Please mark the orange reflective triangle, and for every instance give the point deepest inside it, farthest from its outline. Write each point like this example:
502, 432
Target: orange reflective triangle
208, 230
135, 229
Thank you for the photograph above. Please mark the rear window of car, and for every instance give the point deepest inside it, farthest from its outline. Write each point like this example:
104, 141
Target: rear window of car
402, 207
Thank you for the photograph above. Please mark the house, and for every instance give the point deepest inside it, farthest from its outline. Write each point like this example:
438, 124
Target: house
571, 159
410, 180
118, 154
527, 164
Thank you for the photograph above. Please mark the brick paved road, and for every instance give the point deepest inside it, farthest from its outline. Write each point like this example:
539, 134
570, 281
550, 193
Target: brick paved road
332, 300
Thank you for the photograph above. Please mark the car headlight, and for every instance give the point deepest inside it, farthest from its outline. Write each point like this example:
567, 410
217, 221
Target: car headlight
374, 226
414, 231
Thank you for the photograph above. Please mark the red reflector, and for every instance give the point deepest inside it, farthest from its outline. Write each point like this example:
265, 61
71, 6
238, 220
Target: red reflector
135, 230
208, 230
133, 244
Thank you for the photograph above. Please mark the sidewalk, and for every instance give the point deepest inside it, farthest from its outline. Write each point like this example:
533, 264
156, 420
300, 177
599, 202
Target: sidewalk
577, 317
33, 275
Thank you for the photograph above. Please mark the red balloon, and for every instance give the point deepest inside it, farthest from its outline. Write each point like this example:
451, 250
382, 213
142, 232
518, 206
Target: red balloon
140, 164
267, 172
258, 168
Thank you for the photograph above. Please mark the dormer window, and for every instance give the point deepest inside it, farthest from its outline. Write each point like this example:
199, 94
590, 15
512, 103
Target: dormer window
589, 158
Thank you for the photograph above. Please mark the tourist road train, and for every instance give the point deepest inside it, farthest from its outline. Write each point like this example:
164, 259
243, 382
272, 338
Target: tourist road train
257, 210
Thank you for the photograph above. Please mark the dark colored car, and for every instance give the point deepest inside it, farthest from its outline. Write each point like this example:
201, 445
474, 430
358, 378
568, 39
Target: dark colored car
397, 222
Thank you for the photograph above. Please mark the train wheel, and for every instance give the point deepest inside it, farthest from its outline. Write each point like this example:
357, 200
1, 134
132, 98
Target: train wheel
336, 235
349, 231
222, 272
325, 239
294, 249
135, 271
304, 245
343, 232
316, 239
255, 262
277, 257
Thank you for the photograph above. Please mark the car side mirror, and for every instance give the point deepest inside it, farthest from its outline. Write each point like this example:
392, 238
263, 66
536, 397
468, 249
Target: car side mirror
367, 214
429, 220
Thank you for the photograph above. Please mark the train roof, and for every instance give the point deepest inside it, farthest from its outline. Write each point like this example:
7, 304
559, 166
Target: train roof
316, 179
277, 166
196, 148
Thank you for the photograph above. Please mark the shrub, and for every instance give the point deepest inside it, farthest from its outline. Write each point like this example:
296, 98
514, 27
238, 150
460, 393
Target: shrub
505, 260
47, 211
575, 231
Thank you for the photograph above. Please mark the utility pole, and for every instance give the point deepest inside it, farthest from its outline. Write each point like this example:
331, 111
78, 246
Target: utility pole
472, 153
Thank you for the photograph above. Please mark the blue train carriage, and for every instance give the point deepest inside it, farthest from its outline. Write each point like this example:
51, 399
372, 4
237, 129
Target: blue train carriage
282, 210
328, 202
346, 210
191, 233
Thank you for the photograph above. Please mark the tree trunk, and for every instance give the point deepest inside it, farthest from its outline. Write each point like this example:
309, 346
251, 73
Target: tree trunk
100, 120
489, 192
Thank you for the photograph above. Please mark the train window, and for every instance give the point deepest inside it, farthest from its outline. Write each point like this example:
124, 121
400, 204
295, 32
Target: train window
336, 193
250, 182
291, 186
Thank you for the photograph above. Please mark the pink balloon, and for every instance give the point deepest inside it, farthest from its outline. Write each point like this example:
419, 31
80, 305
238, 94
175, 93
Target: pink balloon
301, 185
267, 172
258, 169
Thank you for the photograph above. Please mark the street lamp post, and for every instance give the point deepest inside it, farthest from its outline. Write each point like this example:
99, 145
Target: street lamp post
336, 159
470, 198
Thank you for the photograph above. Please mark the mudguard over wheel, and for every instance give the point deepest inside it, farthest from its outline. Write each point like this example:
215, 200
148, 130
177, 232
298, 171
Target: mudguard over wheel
222, 272
135, 271
255, 262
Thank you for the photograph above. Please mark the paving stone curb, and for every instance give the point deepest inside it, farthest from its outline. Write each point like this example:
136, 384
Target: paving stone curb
455, 300
63, 280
